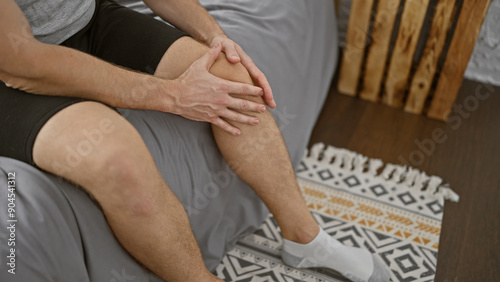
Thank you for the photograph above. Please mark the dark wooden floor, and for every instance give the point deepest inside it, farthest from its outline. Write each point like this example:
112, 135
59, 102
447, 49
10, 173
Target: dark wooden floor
469, 159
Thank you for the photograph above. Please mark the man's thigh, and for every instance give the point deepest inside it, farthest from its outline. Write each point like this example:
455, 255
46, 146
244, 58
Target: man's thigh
78, 142
22, 115
115, 34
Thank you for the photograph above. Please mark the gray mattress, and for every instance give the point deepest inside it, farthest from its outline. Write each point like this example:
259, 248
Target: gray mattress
62, 235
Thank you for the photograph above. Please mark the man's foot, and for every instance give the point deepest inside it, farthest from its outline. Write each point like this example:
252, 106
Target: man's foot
357, 264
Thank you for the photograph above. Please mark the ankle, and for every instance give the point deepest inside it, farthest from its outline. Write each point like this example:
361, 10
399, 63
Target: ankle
301, 235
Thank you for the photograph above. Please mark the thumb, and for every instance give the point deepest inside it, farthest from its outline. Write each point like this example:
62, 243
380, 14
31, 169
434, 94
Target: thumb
208, 59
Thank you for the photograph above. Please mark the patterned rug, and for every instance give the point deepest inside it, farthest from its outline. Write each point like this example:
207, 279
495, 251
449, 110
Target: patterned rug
395, 212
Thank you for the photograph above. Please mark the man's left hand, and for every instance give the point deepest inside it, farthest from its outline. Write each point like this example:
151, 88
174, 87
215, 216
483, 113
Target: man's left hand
235, 54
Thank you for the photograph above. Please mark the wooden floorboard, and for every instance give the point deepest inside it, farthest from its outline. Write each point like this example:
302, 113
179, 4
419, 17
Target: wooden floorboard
469, 160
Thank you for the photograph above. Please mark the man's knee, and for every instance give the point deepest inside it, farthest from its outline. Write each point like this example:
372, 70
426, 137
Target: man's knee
234, 72
118, 176
186, 50
91, 145
227, 70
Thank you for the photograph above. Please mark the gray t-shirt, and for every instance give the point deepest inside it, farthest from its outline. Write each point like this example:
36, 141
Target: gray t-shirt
54, 21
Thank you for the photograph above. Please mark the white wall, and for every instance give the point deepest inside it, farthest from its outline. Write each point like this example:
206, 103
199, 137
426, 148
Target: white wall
484, 64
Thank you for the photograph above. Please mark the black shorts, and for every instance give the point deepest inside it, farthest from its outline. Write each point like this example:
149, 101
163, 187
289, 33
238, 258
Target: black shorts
115, 34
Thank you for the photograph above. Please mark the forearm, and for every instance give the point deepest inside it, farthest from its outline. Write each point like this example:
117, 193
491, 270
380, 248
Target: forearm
189, 16
60, 71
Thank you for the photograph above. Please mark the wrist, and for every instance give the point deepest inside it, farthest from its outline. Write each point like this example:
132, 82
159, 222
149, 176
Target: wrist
151, 93
208, 39
164, 96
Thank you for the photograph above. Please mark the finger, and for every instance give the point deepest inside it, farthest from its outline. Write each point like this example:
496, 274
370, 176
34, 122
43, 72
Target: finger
239, 117
243, 88
258, 76
231, 53
208, 59
224, 125
261, 80
246, 105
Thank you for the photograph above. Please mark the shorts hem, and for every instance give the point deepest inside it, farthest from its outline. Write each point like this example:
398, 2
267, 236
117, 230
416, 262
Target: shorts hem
30, 141
155, 61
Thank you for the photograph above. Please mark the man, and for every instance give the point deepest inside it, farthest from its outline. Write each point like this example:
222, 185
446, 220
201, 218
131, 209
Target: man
67, 64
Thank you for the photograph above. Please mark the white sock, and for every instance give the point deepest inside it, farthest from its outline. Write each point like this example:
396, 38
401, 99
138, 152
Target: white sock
357, 264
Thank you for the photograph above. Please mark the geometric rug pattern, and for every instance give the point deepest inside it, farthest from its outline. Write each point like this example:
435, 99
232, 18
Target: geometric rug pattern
395, 213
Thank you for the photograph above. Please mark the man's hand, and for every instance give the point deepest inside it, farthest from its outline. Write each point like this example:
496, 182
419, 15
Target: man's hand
191, 16
205, 97
235, 54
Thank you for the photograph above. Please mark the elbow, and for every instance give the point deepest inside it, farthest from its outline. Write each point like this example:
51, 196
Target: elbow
13, 81
9, 77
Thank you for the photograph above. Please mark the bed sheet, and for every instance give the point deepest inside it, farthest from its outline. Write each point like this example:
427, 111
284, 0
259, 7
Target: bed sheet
62, 235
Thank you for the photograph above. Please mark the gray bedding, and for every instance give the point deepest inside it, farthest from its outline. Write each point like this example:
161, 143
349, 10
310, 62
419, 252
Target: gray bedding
62, 235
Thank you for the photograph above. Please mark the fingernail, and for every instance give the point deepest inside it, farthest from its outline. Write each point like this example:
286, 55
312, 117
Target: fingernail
237, 133
263, 108
255, 121
216, 45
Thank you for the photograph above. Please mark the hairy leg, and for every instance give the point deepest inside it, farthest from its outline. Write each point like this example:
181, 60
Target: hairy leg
259, 156
93, 146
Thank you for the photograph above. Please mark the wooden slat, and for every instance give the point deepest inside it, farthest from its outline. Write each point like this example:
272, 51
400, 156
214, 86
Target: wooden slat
404, 49
359, 22
379, 47
422, 80
463, 42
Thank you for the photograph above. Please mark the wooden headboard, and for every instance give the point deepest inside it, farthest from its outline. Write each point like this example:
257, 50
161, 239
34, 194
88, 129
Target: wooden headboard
410, 54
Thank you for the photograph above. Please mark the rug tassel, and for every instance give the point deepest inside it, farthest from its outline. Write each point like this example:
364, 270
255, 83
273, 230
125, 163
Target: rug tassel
336, 154
359, 163
449, 194
350, 161
433, 185
327, 155
411, 176
399, 173
388, 170
374, 165
316, 151
421, 179
347, 158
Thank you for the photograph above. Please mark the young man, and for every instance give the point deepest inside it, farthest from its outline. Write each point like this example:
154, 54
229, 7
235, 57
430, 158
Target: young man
65, 66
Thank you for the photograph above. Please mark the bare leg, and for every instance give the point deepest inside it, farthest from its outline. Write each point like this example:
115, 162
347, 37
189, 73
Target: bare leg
93, 146
259, 156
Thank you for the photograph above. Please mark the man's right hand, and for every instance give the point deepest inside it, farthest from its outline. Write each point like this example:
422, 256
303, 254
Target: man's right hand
44, 69
202, 96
